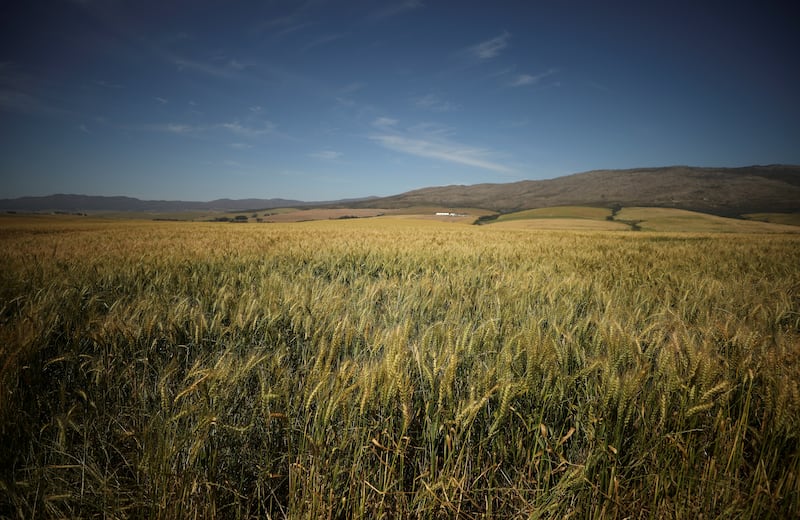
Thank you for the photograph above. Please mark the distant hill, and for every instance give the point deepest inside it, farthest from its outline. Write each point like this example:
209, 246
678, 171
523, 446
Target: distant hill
75, 203
80, 203
720, 191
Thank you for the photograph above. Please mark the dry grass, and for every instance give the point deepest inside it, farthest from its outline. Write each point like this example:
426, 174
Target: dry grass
420, 212
303, 215
560, 218
554, 223
395, 368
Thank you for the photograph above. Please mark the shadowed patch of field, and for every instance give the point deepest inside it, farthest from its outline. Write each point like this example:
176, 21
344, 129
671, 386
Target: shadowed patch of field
789, 219
669, 219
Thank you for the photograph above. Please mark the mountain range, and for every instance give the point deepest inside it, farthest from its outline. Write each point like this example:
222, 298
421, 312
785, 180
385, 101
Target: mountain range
80, 203
720, 191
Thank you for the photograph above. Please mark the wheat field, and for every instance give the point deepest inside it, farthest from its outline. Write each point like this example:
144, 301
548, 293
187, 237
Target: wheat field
390, 368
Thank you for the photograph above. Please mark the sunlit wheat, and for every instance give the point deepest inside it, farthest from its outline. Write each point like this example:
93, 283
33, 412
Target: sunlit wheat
392, 368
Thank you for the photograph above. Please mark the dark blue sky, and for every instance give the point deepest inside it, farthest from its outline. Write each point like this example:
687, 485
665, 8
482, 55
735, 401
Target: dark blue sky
324, 100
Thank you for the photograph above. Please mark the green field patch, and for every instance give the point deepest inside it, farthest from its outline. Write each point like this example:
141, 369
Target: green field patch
671, 219
558, 212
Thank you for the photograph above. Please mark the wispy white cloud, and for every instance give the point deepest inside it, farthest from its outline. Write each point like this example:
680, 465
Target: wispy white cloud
107, 84
394, 9
280, 21
327, 155
171, 128
22, 93
342, 95
384, 122
522, 80
293, 28
248, 130
352, 87
432, 130
434, 103
176, 128
84, 129
598, 86
322, 40
266, 127
208, 69
161, 100
516, 123
489, 49
287, 24
501, 72
236, 65
447, 151
12, 100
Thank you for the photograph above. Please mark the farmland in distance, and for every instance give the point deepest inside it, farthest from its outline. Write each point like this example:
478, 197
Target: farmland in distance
397, 367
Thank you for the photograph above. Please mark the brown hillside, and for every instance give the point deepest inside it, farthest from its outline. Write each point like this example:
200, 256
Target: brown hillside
722, 191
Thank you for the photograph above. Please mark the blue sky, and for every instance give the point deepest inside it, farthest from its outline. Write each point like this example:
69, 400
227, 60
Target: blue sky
322, 100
